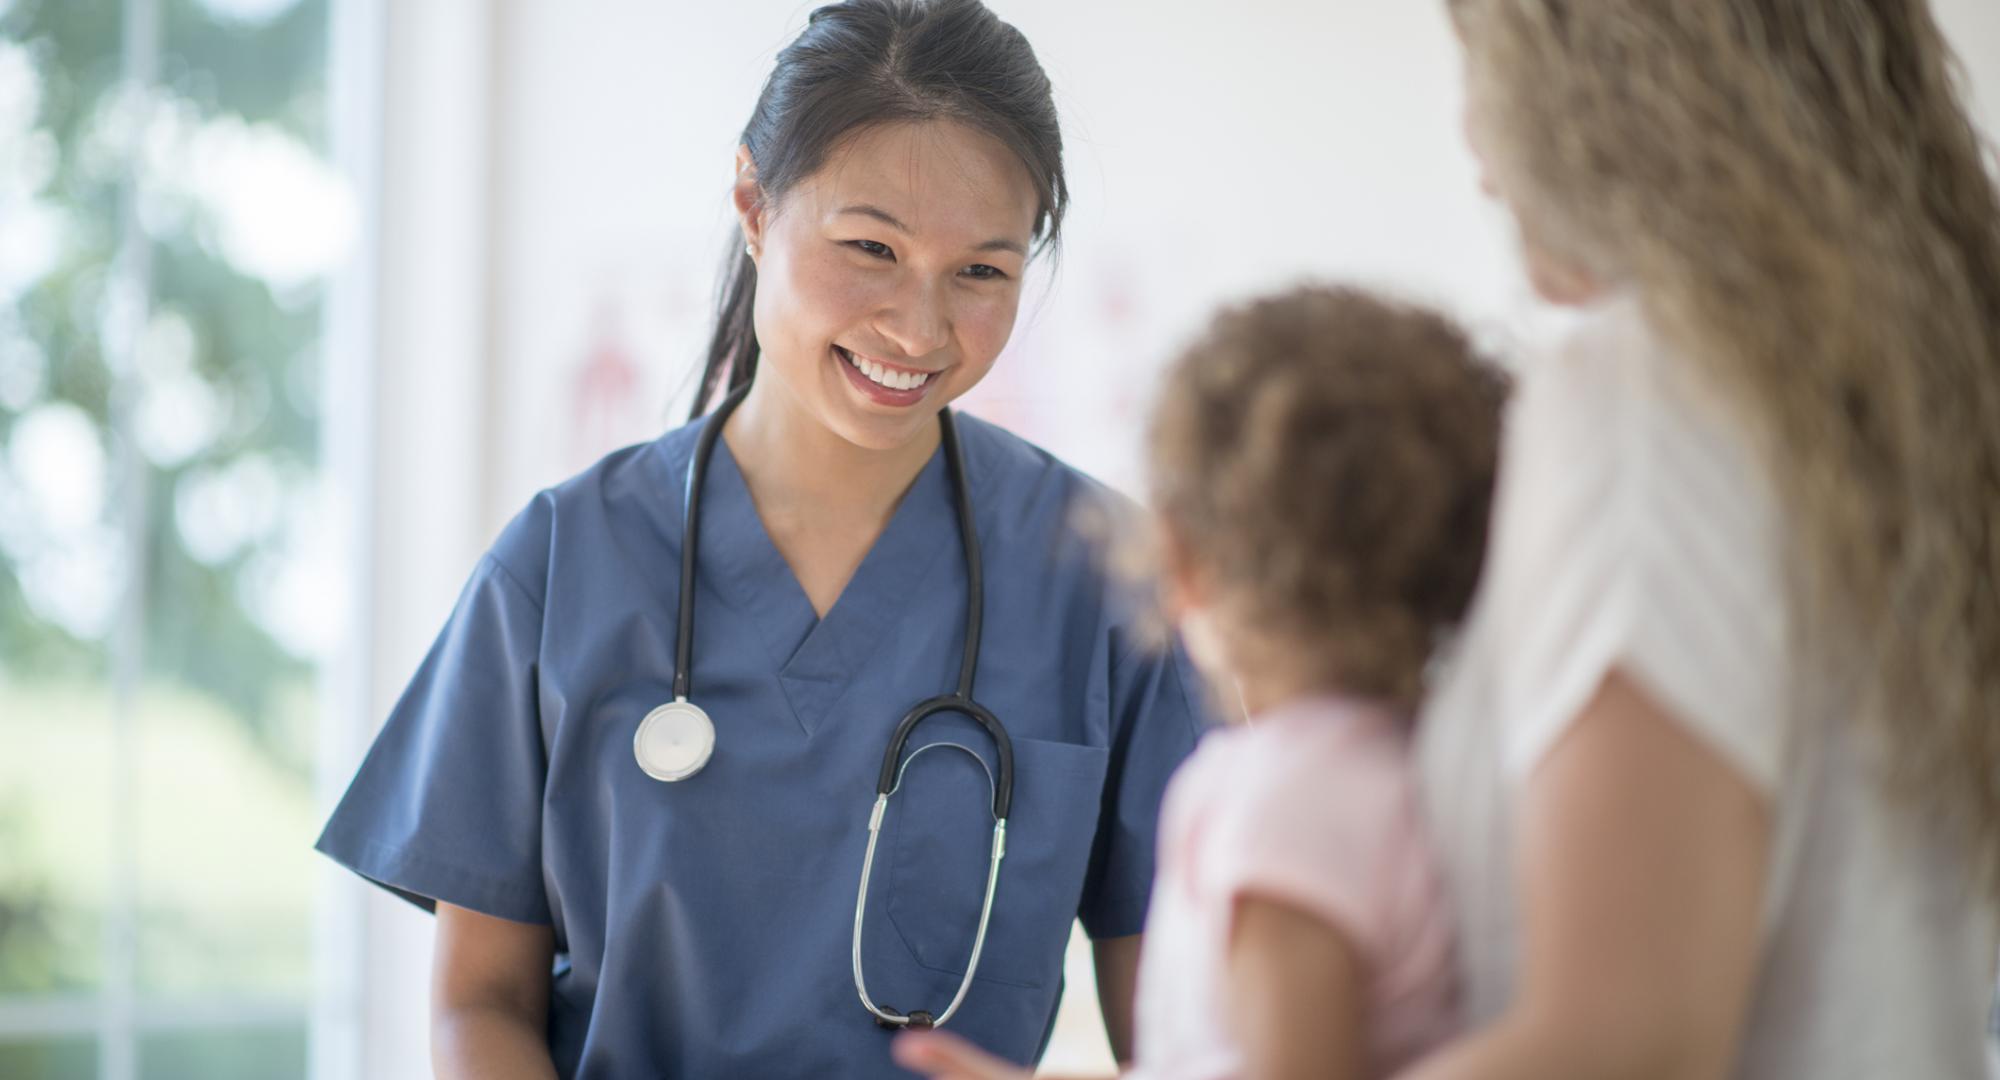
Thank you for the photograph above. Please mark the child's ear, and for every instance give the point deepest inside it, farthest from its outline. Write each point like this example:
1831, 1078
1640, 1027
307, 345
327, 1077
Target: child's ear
1183, 587
1187, 596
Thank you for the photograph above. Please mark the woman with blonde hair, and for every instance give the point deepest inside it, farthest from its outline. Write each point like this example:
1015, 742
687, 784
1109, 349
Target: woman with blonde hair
1716, 773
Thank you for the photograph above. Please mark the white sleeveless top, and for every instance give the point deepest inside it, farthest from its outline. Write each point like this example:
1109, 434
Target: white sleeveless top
1636, 527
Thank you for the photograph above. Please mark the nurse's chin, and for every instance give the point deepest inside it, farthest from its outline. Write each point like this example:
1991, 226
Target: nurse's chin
874, 431
868, 417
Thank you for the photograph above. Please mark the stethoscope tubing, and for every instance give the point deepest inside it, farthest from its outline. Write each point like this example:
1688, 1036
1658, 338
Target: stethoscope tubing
704, 449
960, 700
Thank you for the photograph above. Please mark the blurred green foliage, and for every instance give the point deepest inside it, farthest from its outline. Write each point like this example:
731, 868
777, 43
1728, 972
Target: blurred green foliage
223, 876
258, 347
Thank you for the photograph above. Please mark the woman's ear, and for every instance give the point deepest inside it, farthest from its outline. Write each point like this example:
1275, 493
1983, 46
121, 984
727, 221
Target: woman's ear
748, 195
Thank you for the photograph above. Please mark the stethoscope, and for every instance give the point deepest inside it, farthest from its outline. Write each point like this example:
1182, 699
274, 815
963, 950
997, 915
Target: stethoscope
675, 740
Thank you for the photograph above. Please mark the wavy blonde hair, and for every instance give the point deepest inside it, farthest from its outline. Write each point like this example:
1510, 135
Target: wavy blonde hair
1794, 190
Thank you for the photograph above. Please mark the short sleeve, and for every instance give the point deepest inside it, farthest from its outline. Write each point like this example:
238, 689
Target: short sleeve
1636, 531
447, 803
1159, 709
1322, 832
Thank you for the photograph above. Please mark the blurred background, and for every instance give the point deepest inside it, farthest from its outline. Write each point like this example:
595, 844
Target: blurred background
301, 299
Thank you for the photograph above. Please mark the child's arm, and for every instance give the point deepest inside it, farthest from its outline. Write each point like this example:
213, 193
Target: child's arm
490, 997
940, 1055
1294, 996
1294, 1005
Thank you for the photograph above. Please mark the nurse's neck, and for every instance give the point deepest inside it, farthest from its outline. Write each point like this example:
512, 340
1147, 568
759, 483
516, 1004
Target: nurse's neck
796, 458
823, 499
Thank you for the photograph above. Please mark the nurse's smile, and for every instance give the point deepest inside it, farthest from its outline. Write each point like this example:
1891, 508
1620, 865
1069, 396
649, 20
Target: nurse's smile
882, 382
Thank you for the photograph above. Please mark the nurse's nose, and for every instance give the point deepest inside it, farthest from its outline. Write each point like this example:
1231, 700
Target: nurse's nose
918, 318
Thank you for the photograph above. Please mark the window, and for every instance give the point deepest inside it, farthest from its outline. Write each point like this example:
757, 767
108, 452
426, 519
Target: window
168, 581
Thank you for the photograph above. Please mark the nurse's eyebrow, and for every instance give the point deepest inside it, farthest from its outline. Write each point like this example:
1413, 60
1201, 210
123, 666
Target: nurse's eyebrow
868, 210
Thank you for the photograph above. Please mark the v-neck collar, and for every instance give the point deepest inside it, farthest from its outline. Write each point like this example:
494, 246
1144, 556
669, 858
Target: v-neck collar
816, 657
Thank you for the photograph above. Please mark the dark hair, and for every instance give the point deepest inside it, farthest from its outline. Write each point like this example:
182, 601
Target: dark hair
1327, 458
868, 62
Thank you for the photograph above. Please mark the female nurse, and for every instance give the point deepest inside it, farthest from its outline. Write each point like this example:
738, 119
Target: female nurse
683, 901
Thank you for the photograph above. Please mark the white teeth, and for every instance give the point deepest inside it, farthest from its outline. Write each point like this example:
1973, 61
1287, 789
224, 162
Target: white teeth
886, 376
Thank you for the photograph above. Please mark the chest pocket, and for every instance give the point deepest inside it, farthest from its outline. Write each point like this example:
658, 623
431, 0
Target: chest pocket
942, 818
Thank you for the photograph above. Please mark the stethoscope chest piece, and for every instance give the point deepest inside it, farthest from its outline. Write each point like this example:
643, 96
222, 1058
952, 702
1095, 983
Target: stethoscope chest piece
674, 741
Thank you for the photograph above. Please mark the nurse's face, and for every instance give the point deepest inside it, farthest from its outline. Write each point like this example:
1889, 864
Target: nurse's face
888, 282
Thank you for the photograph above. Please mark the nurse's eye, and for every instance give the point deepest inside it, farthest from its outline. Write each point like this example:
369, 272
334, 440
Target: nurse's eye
983, 272
879, 250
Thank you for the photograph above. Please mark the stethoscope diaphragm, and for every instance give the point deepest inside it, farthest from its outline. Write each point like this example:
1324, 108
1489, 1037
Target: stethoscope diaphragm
674, 741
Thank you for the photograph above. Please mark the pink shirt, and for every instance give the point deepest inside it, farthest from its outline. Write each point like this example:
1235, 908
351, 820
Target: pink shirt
1313, 804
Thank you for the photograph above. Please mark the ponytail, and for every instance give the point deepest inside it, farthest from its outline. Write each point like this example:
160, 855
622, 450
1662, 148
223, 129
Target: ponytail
733, 350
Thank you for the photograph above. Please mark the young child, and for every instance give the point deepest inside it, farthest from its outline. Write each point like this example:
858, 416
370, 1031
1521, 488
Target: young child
1323, 465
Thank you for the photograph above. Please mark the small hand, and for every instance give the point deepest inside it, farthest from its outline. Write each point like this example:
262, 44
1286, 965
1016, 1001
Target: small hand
942, 1056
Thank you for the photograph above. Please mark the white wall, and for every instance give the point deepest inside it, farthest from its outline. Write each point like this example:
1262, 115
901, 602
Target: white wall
423, 96
1214, 150
554, 178
1209, 155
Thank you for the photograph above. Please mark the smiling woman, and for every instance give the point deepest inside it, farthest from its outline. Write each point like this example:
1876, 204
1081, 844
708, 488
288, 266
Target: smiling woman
817, 111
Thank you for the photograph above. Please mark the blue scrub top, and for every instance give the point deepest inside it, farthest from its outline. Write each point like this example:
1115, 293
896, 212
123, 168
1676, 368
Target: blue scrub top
702, 928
